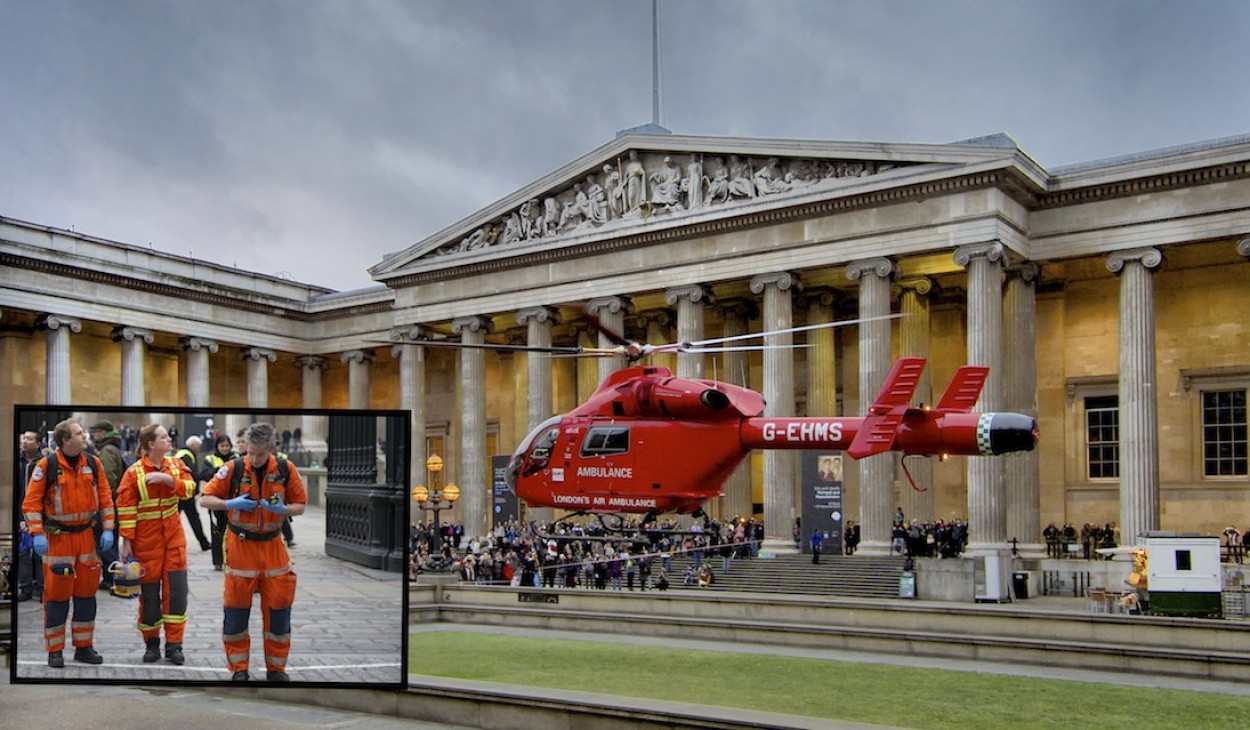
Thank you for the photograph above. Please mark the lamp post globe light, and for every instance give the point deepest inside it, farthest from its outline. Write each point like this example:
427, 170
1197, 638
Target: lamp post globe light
436, 499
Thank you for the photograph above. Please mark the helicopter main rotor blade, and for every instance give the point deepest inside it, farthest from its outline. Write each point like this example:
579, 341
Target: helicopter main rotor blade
743, 348
807, 328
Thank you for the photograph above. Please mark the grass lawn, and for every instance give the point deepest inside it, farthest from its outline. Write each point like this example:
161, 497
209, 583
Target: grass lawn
872, 693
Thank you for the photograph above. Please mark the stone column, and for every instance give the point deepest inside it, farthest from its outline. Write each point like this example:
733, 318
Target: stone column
314, 430
1139, 405
779, 465
987, 498
822, 353
611, 313
738, 500
198, 350
358, 362
258, 359
473, 456
1024, 493
134, 352
58, 329
876, 473
538, 322
913, 341
412, 396
690, 301
658, 323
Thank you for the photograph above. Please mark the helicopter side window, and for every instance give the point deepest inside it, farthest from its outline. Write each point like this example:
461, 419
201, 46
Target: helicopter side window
606, 440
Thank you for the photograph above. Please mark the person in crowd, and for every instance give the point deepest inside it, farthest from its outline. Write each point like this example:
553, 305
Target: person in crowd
29, 566
151, 534
189, 455
852, 537
108, 445
817, 540
65, 494
223, 451
258, 491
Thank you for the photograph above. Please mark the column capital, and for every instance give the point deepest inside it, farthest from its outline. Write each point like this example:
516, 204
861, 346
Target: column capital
408, 333
738, 307
57, 321
660, 316
1027, 271
1151, 258
825, 296
922, 285
541, 314
992, 251
476, 323
783, 280
1243, 246
614, 304
311, 362
195, 344
881, 267
693, 293
358, 356
256, 353
130, 334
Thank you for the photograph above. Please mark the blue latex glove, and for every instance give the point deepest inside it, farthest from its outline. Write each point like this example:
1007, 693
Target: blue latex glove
243, 503
41, 545
106, 540
275, 504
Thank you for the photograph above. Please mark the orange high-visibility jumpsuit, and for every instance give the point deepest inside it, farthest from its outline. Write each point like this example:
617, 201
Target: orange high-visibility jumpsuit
63, 511
148, 517
257, 561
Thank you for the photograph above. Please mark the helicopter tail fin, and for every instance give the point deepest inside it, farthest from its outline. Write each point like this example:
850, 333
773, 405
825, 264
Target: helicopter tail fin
964, 389
887, 411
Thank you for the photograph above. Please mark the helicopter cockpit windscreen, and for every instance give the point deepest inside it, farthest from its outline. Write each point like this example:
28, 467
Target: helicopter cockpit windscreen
541, 439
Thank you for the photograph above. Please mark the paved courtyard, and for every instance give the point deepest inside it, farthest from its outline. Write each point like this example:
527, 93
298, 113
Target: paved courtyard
347, 624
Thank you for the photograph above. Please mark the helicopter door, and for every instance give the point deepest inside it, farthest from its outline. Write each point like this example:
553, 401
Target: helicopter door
607, 460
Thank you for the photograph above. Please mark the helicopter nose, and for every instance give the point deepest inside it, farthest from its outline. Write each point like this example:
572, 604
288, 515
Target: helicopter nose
1011, 432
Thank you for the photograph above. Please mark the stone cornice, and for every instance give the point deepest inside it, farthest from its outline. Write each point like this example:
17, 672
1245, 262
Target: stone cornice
1146, 184
287, 310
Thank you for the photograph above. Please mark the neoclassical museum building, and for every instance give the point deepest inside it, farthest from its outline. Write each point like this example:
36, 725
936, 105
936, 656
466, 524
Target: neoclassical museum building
1110, 299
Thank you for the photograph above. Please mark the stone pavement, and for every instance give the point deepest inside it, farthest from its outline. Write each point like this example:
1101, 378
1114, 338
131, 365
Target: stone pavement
346, 624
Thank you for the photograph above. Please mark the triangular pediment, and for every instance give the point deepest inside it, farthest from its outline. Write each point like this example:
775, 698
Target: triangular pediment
640, 181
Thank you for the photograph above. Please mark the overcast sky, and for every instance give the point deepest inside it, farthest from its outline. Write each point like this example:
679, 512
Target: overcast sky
307, 138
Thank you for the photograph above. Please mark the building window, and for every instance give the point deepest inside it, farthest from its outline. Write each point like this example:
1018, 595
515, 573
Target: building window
1102, 436
1224, 433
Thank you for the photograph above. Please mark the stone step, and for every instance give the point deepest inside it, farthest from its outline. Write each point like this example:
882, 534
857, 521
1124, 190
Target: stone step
835, 575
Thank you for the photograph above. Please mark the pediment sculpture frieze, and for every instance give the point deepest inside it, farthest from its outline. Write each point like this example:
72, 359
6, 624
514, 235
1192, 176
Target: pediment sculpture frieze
641, 185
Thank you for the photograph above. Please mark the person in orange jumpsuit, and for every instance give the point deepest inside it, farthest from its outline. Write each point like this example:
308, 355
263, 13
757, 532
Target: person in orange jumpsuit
151, 533
258, 491
66, 492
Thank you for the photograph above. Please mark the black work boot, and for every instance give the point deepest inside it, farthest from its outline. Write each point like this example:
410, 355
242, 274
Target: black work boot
173, 652
240, 676
87, 655
56, 659
153, 652
273, 675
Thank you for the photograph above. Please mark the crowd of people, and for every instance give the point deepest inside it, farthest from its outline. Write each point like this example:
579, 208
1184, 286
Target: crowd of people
571, 554
96, 514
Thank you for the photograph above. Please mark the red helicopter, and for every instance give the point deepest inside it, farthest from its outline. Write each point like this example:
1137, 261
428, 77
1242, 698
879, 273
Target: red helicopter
649, 443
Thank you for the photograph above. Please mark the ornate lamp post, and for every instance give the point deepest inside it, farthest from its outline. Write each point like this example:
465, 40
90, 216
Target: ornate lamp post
436, 499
